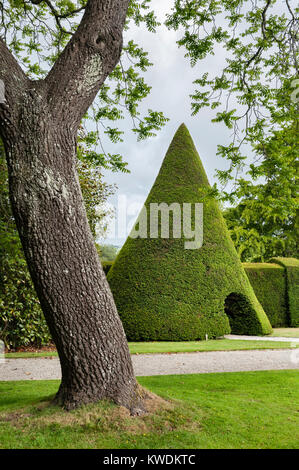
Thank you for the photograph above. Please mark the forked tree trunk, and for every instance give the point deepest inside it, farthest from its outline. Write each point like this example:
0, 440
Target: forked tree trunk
63, 261
38, 124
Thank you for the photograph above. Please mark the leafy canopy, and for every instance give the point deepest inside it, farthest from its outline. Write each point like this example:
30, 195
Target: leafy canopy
258, 39
252, 92
254, 95
265, 223
37, 31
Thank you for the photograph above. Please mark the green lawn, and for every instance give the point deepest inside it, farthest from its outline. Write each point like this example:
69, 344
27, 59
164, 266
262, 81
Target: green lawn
175, 347
286, 332
228, 410
211, 345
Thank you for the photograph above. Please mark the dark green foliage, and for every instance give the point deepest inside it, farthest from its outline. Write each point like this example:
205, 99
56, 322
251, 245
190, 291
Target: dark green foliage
291, 266
269, 284
241, 313
106, 266
22, 322
166, 292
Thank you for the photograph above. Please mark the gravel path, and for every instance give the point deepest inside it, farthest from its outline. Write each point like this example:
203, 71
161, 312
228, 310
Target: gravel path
166, 364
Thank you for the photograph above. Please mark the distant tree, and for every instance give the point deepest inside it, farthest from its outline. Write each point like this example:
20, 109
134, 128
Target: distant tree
265, 223
95, 193
108, 252
256, 240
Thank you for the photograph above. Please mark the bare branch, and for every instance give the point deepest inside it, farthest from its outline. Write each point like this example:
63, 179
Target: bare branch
260, 49
56, 16
55, 12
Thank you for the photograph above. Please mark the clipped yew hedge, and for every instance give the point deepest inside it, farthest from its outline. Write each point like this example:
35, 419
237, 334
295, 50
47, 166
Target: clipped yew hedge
291, 266
269, 284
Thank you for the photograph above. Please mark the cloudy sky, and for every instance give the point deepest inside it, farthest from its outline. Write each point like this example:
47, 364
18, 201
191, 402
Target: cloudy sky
171, 79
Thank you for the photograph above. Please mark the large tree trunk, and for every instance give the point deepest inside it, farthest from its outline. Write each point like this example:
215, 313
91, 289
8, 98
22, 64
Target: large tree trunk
38, 124
63, 261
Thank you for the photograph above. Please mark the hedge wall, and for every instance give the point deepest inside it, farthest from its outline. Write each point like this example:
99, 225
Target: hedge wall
291, 266
166, 292
269, 284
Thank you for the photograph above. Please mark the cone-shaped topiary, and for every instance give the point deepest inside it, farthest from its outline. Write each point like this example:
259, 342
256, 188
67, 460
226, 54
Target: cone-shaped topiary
164, 291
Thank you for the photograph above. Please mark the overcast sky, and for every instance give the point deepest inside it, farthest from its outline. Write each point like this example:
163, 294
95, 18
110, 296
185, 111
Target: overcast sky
171, 79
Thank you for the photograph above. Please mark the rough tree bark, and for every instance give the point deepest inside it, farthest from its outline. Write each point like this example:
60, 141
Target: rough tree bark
38, 125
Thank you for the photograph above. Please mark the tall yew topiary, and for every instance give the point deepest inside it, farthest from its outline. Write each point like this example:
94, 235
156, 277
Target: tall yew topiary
166, 292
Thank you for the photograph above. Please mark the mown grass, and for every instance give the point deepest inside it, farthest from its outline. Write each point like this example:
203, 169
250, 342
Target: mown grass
227, 410
176, 347
286, 332
210, 345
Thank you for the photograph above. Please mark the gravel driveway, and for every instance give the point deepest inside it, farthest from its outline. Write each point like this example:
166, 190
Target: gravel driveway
165, 364
263, 338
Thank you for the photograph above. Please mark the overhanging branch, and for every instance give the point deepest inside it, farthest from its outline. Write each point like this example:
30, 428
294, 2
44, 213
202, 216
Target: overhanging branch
13, 81
87, 60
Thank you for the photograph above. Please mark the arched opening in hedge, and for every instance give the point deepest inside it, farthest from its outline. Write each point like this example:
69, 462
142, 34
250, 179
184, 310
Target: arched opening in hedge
241, 314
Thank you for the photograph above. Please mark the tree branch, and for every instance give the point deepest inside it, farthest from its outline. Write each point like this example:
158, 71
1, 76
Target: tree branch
260, 49
87, 60
13, 81
55, 12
